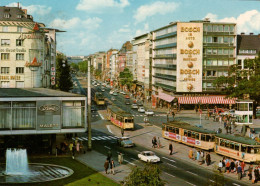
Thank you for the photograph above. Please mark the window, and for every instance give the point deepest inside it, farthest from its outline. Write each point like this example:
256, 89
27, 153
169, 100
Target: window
214, 62
208, 73
5, 115
209, 50
231, 51
220, 28
197, 136
209, 28
225, 51
220, 51
231, 28
243, 148
5, 42
209, 84
208, 138
226, 28
239, 62
209, 39
227, 144
203, 137
72, 114
214, 73
19, 42
19, 70
185, 132
215, 39
215, 28
232, 145
5, 56
6, 15
5, 84
5, 70
19, 16
19, 56
19, 84
177, 130
220, 62
236, 146
193, 134
220, 39
19, 29
225, 39
189, 133
5, 28
222, 142
214, 51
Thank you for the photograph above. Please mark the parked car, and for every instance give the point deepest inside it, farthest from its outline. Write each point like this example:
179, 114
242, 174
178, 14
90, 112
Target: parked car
103, 90
139, 103
113, 98
148, 156
125, 142
114, 94
127, 97
134, 106
149, 113
111, 92
141, 109
93, 109
127, 102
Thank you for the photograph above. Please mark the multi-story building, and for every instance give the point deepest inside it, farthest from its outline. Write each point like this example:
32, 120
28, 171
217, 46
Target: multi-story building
28, 50
127, 46
113, 67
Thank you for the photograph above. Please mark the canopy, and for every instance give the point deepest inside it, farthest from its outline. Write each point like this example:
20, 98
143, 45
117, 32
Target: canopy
206, 100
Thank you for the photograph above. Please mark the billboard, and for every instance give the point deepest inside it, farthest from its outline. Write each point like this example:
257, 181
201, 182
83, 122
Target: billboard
189, 57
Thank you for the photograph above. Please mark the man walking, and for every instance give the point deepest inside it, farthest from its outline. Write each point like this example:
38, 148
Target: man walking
109, 156
208, 159
112, 165
170, 148
106, 165
239, 172
120, 158
122, 132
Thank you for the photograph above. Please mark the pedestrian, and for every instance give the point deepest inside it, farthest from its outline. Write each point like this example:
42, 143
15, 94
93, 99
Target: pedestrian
190, 153
250, 169
193, 153
120, 158
112, 166
253, 175
225, 124
109, 156
78, 147
73, 151
158, 142
154, 142
239, 172
202, 157
227, 166
70, 147
232, 166
198, 155
170, 148
106, 165
256, 171
243, 166
220, 165
173, 115
122, 132
220, 120
208, 159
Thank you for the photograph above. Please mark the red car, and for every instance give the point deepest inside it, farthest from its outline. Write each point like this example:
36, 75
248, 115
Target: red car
127, 97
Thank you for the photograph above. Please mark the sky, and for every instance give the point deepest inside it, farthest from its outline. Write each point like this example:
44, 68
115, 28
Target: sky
99, 25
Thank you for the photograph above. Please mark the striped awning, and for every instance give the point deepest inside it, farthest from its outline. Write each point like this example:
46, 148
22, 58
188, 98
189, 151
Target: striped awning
166, 97
206, 100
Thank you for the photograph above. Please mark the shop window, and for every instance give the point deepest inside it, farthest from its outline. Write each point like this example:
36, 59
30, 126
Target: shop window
73, 114
5, 84
19, 84
5, 115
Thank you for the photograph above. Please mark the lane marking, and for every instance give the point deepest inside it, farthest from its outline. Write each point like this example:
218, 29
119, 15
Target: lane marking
101, 116
109, 130
171, 165
212, 181
137, 151
130, 162
85, 138
113, 137
168, 159
169, 175
192, 173
80, 139
107, 147
99, 138
95, 138
106, 137
190, 183
133, 159
235, 184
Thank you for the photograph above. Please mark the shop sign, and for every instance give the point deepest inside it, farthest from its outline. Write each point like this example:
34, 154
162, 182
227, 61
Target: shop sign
52, 82
49, 125
49, 108
10, 77
13, 50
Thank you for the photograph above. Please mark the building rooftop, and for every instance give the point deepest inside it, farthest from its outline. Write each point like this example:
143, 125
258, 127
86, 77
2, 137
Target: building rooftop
14, 14
34, 92
248, 42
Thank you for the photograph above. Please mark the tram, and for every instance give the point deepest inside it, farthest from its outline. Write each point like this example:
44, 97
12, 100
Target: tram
99, 98
120, 118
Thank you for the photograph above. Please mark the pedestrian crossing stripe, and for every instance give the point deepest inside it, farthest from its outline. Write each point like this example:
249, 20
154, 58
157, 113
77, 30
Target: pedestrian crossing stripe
98, 138
139, 115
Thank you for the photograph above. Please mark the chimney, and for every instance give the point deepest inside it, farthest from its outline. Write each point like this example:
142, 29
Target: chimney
251, 33
242, 33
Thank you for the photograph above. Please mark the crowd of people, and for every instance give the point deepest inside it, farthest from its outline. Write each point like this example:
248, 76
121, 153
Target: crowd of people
200, 156
109, 163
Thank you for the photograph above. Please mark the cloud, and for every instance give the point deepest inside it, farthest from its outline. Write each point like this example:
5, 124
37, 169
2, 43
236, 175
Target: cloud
90, 23
246, 22
124, 30
142, 31
97, 5
34, 9
158, 7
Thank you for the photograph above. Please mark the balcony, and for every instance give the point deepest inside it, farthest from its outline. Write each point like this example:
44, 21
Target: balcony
218, 44
166, 35
218, 33
166, 87
165, 56
165, 76
166, 46
169, 67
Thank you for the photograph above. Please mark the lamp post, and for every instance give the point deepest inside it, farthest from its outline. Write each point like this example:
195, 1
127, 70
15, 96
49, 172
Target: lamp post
89, 110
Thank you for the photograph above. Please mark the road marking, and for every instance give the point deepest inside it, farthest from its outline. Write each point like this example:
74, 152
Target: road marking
150, 134
212, 181
171, 165
107, 147
101, 117
138, 151
130, 162
99, 138
192, 173
133, 159
235, 184
106, 137
108, 128
80, 139
113, 137
95, 138
190, 183
85, 138
169, 175
168, 159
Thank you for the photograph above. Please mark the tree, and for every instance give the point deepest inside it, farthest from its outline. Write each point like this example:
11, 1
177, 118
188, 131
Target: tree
98, 73
126, 78
148, 176
64, 81
242, 81
83, 66
74, 66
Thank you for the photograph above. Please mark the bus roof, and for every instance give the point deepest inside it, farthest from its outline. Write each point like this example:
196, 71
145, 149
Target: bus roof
119, 111
239, 139
187, 126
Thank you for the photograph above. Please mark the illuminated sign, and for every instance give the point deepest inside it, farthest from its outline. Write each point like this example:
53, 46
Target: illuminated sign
189, 57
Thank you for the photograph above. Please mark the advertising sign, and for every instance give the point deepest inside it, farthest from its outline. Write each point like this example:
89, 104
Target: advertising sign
189, 57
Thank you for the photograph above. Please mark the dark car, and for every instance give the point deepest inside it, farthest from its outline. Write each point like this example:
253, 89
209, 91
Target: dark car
127, 102
93, 109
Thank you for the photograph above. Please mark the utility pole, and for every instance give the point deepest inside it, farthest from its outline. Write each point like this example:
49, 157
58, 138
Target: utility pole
89, 110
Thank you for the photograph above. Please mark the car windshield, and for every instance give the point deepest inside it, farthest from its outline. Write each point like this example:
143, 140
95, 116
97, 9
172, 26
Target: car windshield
149, 154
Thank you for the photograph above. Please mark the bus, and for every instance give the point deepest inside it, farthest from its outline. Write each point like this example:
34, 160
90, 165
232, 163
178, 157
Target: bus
120, 118
238, 147
99, 98
190, 135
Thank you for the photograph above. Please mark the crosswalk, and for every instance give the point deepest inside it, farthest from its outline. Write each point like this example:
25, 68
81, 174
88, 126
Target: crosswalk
97, 138
142, 115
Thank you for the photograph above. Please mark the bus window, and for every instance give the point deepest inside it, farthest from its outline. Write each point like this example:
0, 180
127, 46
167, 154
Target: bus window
243, 148
189, 133
227, 144
222, 143
177, 130
203, 137
232, 145
257, 150
208, 138
128, 120
212, 138
197, 136
185, 133
236, 146
250, 150
170, 129
193, 134
173, 130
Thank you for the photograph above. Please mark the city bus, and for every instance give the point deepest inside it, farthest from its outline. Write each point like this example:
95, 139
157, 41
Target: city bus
190, 135
120, 118
99, 98
238, 147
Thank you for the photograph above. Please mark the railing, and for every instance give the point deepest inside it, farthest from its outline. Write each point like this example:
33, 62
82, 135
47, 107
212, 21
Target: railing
165, 76
167, 87
166, 35
166, 46
165, 56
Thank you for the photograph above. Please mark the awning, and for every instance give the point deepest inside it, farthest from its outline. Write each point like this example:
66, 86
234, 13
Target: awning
206, 100
166, 97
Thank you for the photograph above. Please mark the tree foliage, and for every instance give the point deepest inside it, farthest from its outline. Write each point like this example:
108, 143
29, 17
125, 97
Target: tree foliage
98, 73
74, 66
126, 78
63, 76
83, 66
148, 176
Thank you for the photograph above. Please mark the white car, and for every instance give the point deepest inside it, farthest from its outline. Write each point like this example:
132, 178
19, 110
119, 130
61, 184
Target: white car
134, 106
122, 92
141, 109
148, 156
111, 92
149, 113
103, 90
114, 94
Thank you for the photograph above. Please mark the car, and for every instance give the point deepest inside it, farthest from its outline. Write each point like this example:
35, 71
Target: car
103, 90
95, 85
93, 109
148, 156
127, 102
149, 112
122, 92
111, 92
125, 142
114, 94
98, 84
113, 98
134, 106
127, 97
139, 103
141, 109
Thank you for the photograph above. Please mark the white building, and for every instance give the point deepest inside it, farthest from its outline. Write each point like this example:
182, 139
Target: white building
113, 66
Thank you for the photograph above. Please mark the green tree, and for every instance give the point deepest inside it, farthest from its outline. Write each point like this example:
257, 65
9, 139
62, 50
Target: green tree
148, 176
63, 76
74, 66
126, 78
83, 66
98, 73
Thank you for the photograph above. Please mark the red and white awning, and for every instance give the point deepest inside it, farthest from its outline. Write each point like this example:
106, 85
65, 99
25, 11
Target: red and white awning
206, 100
166, 97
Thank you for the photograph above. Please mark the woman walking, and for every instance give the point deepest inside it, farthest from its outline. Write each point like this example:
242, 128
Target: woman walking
112, 165
120, 158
